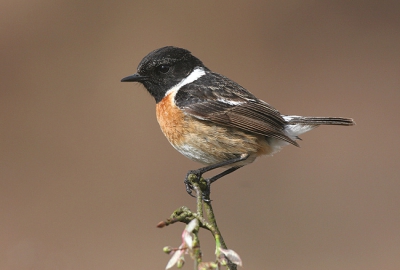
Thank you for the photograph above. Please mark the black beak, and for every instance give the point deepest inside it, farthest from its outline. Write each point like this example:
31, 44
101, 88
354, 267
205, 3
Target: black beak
134, 78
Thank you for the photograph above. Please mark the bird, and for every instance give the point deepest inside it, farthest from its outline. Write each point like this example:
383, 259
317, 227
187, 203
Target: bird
213, 120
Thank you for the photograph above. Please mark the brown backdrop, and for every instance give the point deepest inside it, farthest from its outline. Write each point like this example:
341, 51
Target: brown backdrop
86, 173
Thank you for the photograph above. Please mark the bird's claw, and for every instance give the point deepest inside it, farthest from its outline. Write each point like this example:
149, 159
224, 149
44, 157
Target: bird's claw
188, 183
205, 195
189, 187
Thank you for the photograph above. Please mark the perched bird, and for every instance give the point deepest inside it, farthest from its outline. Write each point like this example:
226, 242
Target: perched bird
213, 120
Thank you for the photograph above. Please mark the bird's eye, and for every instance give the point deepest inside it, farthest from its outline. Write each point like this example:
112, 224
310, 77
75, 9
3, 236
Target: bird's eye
163, 68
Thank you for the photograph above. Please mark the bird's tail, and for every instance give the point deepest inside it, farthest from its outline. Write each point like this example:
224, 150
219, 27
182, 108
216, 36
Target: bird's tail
317, 121
297, 125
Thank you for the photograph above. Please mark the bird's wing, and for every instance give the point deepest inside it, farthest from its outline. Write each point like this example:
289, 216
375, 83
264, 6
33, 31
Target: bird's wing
224, 102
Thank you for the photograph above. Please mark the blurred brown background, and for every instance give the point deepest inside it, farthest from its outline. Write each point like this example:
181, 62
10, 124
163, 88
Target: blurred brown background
86, 174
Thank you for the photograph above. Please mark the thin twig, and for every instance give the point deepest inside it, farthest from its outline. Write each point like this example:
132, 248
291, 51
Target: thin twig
216, 232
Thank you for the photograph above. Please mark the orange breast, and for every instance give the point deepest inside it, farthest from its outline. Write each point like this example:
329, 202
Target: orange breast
171, 120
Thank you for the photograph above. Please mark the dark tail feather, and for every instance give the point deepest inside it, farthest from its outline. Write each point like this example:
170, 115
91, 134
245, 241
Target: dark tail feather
292, 120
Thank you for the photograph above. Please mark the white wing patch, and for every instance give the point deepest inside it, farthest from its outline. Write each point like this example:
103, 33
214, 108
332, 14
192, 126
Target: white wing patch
230, 102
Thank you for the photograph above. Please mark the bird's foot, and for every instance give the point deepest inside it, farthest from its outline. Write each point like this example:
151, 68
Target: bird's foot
191, 176
204, 184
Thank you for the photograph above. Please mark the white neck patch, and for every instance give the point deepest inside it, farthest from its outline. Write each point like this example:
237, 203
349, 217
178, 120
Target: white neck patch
196, 73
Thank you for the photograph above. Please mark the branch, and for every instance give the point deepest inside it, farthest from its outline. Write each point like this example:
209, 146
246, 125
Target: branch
190, 241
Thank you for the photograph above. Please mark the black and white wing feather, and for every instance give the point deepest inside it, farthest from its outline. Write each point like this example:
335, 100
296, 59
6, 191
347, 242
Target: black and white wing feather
217, 99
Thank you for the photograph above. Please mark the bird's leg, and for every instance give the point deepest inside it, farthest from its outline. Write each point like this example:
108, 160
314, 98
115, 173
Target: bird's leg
199, 172
209, 181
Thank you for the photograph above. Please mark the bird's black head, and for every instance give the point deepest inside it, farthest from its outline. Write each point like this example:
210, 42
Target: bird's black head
164, 68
